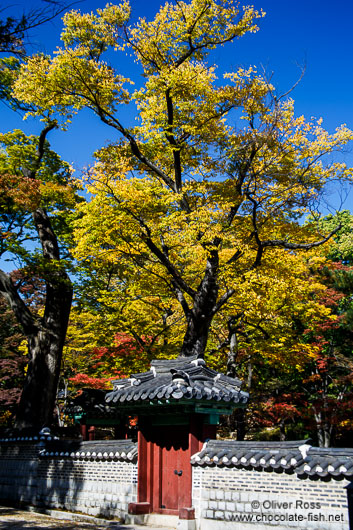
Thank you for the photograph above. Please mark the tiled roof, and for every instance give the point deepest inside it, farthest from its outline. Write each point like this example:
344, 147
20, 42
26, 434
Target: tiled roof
295, 456
123, 450
292, 457
178, 379
12, 439
91, 402
263, 455
333, 461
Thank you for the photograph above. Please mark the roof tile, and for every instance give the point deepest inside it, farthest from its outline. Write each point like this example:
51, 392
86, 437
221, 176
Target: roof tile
292, 456
182, 378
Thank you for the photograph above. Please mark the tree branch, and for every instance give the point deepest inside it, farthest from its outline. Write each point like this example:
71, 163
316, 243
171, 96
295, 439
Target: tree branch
280, 243
23, 314
164, 260
171, 139
242, 174
113, 122
15, 29
40, 151
46, 235
224, 298
294, 246
255, 233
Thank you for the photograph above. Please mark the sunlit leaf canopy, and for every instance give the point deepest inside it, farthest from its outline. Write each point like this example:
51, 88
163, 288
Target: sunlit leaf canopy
214, 179
187, 129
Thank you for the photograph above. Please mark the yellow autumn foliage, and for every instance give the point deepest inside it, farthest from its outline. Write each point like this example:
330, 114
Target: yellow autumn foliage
198, 208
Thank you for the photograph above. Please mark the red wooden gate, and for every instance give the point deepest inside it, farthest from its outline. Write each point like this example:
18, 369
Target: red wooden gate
175, 469
164, 465
164, 472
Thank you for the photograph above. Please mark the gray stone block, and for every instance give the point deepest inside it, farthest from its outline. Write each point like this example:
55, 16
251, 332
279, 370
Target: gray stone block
219, 515
228, 495
236, 495
204, 505
228, 516
220, 494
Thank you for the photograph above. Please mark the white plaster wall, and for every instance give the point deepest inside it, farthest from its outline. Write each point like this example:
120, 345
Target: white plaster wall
231, 498
95, 487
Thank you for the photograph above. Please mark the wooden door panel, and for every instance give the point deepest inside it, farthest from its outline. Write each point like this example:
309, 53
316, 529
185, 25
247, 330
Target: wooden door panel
169, 480
162, 451
175, 461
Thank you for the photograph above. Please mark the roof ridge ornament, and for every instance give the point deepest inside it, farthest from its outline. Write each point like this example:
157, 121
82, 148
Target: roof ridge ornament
185, 382
304, 449
198, 362
180, 377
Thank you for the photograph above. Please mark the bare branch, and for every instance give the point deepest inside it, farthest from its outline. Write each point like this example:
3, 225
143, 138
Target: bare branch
14, 29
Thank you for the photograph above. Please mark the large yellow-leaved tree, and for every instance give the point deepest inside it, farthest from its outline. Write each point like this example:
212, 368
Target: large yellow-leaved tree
200, 203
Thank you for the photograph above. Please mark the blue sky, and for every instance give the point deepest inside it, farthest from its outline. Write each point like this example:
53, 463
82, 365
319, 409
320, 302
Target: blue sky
317, 34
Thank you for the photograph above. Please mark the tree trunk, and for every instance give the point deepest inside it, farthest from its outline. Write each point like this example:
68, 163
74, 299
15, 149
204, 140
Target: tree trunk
282, 430
233, 345
320, 436
45, 348
195, 339
238, 419
323, 429
200, 317
37, 399
45, 335
241, 424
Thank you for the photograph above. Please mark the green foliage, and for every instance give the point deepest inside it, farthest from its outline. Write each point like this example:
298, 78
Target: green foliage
342, 244
9, 69
54, 189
